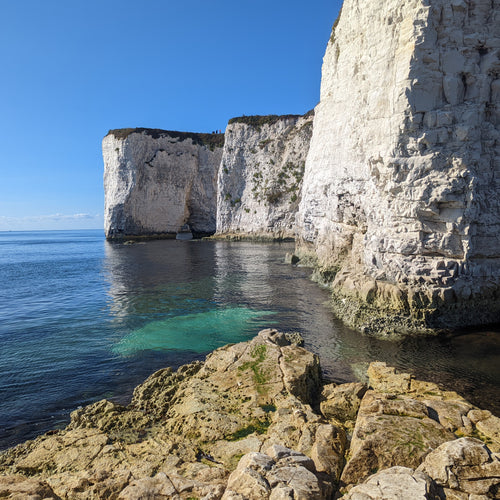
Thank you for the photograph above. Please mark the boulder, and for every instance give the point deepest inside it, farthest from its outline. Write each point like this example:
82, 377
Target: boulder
465, 465
283, 474
390, 430
395, 483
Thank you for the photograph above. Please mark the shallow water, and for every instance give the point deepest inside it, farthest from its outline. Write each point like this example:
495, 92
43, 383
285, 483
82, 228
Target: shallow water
82, 319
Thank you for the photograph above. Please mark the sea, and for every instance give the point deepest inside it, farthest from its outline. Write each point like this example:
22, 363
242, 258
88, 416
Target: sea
82, 319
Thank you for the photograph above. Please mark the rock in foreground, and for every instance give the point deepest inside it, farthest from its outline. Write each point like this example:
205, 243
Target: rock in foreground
246, 424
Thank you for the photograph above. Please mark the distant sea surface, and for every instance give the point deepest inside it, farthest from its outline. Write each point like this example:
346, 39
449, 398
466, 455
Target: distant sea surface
82, 319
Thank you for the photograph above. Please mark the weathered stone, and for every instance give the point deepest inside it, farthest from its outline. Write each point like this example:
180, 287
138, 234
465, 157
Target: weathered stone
156, 181
248, 483
304, 484
288, 475
395, 483
449, 413
385, 378
488, 425
260, 176
390, 431
153, 396
328, 450
342, 402
21, 488
301, 373
466, 465
158, 487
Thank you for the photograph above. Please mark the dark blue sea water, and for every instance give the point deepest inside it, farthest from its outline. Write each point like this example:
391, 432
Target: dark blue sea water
82, 319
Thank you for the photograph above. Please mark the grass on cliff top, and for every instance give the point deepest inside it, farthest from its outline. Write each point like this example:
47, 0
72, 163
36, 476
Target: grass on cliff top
210, 140
258, 121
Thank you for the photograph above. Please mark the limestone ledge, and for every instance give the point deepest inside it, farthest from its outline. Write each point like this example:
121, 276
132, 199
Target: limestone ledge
255, 421
261, 237
390, 309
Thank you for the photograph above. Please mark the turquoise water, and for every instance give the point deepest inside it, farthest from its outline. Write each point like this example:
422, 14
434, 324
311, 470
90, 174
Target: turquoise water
82, 319
196, 332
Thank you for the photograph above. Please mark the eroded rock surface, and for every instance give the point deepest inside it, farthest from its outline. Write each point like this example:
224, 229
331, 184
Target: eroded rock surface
260, 177
400, 204
465, 465
246, 424
156, 181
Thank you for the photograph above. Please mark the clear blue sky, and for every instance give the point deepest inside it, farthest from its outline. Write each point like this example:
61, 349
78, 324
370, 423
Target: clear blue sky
72, 70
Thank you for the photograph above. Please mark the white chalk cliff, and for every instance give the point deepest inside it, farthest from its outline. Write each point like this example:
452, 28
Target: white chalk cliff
260, 176
398, 205
400, 201
156, 181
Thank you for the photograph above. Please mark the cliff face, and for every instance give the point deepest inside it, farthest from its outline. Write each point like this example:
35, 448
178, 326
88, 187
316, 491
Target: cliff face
400, 196
155, 181
260, 176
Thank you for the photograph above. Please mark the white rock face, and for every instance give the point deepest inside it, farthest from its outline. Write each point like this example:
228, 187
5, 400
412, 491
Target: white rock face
260, 176
156, 181
401, 187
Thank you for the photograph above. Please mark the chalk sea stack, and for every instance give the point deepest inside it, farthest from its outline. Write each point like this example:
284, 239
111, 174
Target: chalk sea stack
156, 181
393, 195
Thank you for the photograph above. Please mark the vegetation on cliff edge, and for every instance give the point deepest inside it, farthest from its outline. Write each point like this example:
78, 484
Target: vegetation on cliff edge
257, 121
212, 141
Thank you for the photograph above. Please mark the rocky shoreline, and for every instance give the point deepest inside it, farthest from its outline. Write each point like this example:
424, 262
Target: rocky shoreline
255, 421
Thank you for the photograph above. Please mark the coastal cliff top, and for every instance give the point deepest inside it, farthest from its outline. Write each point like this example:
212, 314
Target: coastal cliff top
210, 140
259, 120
